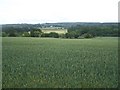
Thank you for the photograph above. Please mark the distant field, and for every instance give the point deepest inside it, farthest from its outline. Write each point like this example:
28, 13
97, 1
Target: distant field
60, 63
59, 31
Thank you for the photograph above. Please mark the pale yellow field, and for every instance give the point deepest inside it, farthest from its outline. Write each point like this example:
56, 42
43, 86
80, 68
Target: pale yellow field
59, 31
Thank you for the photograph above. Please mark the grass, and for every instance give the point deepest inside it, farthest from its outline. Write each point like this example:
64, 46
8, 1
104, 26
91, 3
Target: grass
60, 63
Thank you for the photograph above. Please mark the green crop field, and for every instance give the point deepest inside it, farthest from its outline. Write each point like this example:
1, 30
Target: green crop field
60, 63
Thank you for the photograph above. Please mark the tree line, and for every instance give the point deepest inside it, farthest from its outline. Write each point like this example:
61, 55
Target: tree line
78, 31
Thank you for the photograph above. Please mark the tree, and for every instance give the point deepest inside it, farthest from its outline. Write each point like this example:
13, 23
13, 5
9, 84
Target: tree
36, 33
87, 35
13, 33
53, 34
62, 36
26, 34
45, 35
4, 34
72, 34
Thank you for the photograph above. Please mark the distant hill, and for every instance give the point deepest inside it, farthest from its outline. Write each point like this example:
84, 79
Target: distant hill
73, 24
28, 27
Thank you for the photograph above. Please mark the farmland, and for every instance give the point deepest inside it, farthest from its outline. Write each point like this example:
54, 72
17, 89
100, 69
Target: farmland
60, 63
57, 30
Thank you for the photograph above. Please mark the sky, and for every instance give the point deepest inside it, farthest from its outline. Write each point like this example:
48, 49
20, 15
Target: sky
51, 11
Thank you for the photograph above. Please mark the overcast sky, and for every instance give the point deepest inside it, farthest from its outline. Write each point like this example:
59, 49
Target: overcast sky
47, 11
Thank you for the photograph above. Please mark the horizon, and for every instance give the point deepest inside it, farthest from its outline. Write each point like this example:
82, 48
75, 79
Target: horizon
59, 22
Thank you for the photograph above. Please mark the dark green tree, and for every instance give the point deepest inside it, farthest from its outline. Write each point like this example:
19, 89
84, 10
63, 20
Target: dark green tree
4, 34
36, 33
53, 34
87, 35
26, 34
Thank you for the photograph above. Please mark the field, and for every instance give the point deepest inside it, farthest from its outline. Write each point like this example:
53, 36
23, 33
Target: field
59, 31
60, 63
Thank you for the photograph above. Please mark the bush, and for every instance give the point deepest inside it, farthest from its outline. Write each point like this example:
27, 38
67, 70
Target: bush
62, 36
53, 34
36, 33
87, 35
45, 35
72, 34
13, 34
26, 34
4, 34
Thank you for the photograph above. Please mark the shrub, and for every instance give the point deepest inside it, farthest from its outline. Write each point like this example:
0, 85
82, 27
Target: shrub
53, 34
13, 34
45, 35
87, 35
4, 34
26, 34
36, 33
